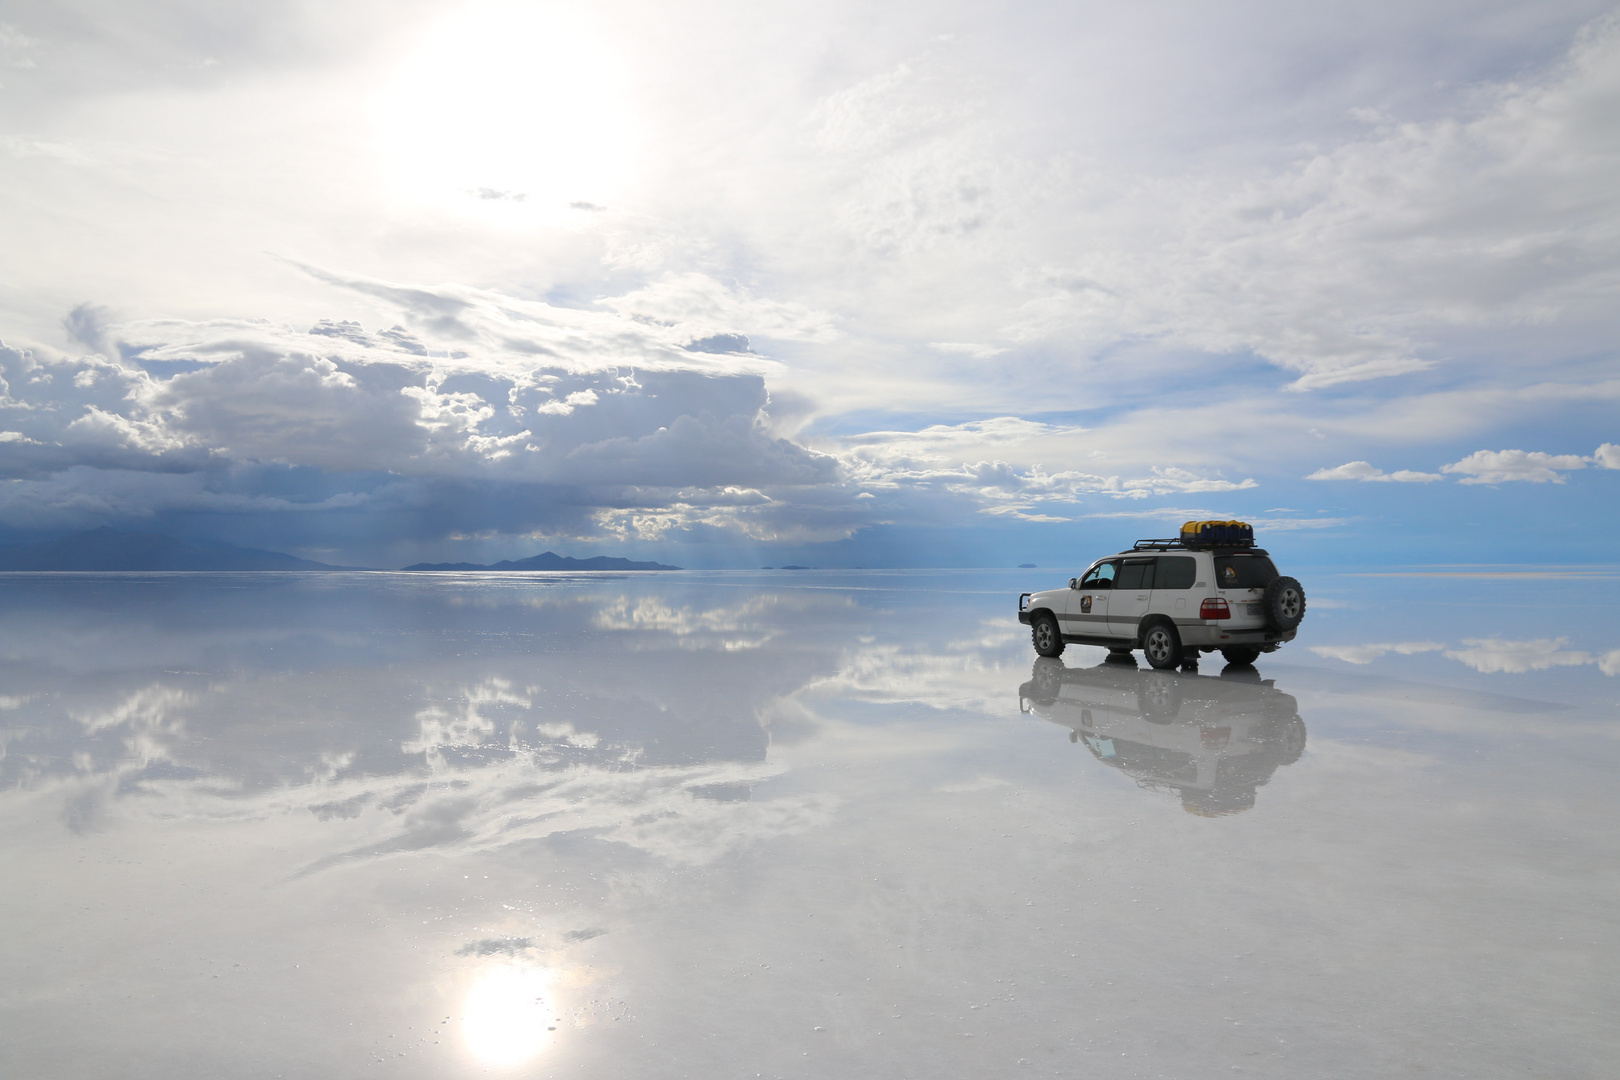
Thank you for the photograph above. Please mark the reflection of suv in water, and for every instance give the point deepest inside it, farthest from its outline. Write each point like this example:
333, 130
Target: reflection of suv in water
1210, 590
1212, 741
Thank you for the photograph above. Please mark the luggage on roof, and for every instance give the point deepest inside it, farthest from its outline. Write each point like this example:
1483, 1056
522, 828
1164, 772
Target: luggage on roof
1217, 534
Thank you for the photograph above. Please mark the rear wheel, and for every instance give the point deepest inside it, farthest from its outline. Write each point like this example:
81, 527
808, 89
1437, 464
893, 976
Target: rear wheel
1242, 654
1043, 631
1162, 644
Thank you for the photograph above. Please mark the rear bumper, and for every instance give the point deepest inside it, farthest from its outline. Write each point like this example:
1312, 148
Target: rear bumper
1212, 635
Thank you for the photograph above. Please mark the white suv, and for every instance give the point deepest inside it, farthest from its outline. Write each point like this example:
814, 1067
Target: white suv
1173, 599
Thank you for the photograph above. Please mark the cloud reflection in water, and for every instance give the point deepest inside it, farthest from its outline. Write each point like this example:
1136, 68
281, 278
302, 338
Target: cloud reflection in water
431, 821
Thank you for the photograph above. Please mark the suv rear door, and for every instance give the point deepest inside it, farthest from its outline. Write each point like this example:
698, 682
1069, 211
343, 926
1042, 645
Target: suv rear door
1242, 578
1133, 591
1173, 580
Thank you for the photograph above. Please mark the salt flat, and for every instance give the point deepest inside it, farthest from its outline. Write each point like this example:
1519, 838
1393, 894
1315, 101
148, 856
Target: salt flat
797, 824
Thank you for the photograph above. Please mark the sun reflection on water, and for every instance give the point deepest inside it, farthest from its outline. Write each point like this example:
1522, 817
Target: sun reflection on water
508, 1015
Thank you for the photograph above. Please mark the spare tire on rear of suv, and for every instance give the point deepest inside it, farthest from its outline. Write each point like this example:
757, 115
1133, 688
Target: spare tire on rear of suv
1284, 604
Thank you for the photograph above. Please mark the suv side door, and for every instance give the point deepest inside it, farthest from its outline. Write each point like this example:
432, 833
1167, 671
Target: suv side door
1088, 606
1133, 591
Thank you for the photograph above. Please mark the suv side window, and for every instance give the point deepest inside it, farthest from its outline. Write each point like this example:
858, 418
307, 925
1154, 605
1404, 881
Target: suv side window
1100, 576
1176, 572
1136, 575
1244, 571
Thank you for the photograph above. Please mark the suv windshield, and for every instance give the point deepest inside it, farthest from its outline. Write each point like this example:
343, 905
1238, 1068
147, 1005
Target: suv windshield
1244, 571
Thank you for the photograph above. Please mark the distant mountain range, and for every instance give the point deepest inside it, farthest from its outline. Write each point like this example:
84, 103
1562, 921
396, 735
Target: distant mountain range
549, 561
109, 549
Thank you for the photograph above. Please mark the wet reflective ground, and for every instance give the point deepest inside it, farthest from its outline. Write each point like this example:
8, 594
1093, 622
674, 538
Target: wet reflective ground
798, 825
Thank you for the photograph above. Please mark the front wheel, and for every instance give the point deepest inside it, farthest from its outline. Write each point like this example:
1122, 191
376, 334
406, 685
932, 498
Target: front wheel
1043, 631
1162, 644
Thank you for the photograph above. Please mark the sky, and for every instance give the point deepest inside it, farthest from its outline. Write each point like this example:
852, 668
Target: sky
833, 284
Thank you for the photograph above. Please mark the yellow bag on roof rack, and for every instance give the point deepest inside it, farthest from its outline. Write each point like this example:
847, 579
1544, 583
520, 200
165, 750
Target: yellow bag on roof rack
1217, 533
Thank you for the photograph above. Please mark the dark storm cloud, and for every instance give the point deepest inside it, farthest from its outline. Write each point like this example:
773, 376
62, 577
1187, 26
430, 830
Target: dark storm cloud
327, 435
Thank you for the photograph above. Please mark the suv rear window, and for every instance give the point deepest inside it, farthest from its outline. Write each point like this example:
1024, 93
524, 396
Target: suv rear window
1176, 572
1244, 571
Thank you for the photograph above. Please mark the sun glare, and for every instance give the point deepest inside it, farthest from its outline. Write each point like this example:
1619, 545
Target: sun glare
508, 1015
510, 109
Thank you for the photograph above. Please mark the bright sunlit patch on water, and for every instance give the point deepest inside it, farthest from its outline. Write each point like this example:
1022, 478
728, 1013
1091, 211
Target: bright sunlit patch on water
508, 110
507, 1015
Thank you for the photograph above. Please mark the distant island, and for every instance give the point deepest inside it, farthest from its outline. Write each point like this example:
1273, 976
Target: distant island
549, 561
108, 549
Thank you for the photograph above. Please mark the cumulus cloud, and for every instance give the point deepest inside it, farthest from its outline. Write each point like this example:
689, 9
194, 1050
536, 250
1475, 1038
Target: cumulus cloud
1361, 470
1507, 466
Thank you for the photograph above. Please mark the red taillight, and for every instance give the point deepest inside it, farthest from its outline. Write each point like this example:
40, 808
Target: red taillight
1214, 607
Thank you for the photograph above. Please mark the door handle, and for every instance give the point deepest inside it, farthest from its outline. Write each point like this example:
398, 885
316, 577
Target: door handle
1141, 596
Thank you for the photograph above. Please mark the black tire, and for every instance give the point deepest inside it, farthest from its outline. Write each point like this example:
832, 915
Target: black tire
1241, 654
1047, 638
1162, 644
1284, 604
1120, 656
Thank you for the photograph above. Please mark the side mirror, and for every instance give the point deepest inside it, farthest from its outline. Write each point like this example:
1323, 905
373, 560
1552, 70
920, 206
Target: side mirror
1074, 583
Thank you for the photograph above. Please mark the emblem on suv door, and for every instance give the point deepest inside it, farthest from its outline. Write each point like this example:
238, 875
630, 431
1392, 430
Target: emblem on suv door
1085, 604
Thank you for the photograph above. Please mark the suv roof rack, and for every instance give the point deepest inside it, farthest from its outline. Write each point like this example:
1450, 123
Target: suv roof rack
1175, 543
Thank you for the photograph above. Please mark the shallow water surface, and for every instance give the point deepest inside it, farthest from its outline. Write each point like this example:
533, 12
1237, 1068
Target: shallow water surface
797, 824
